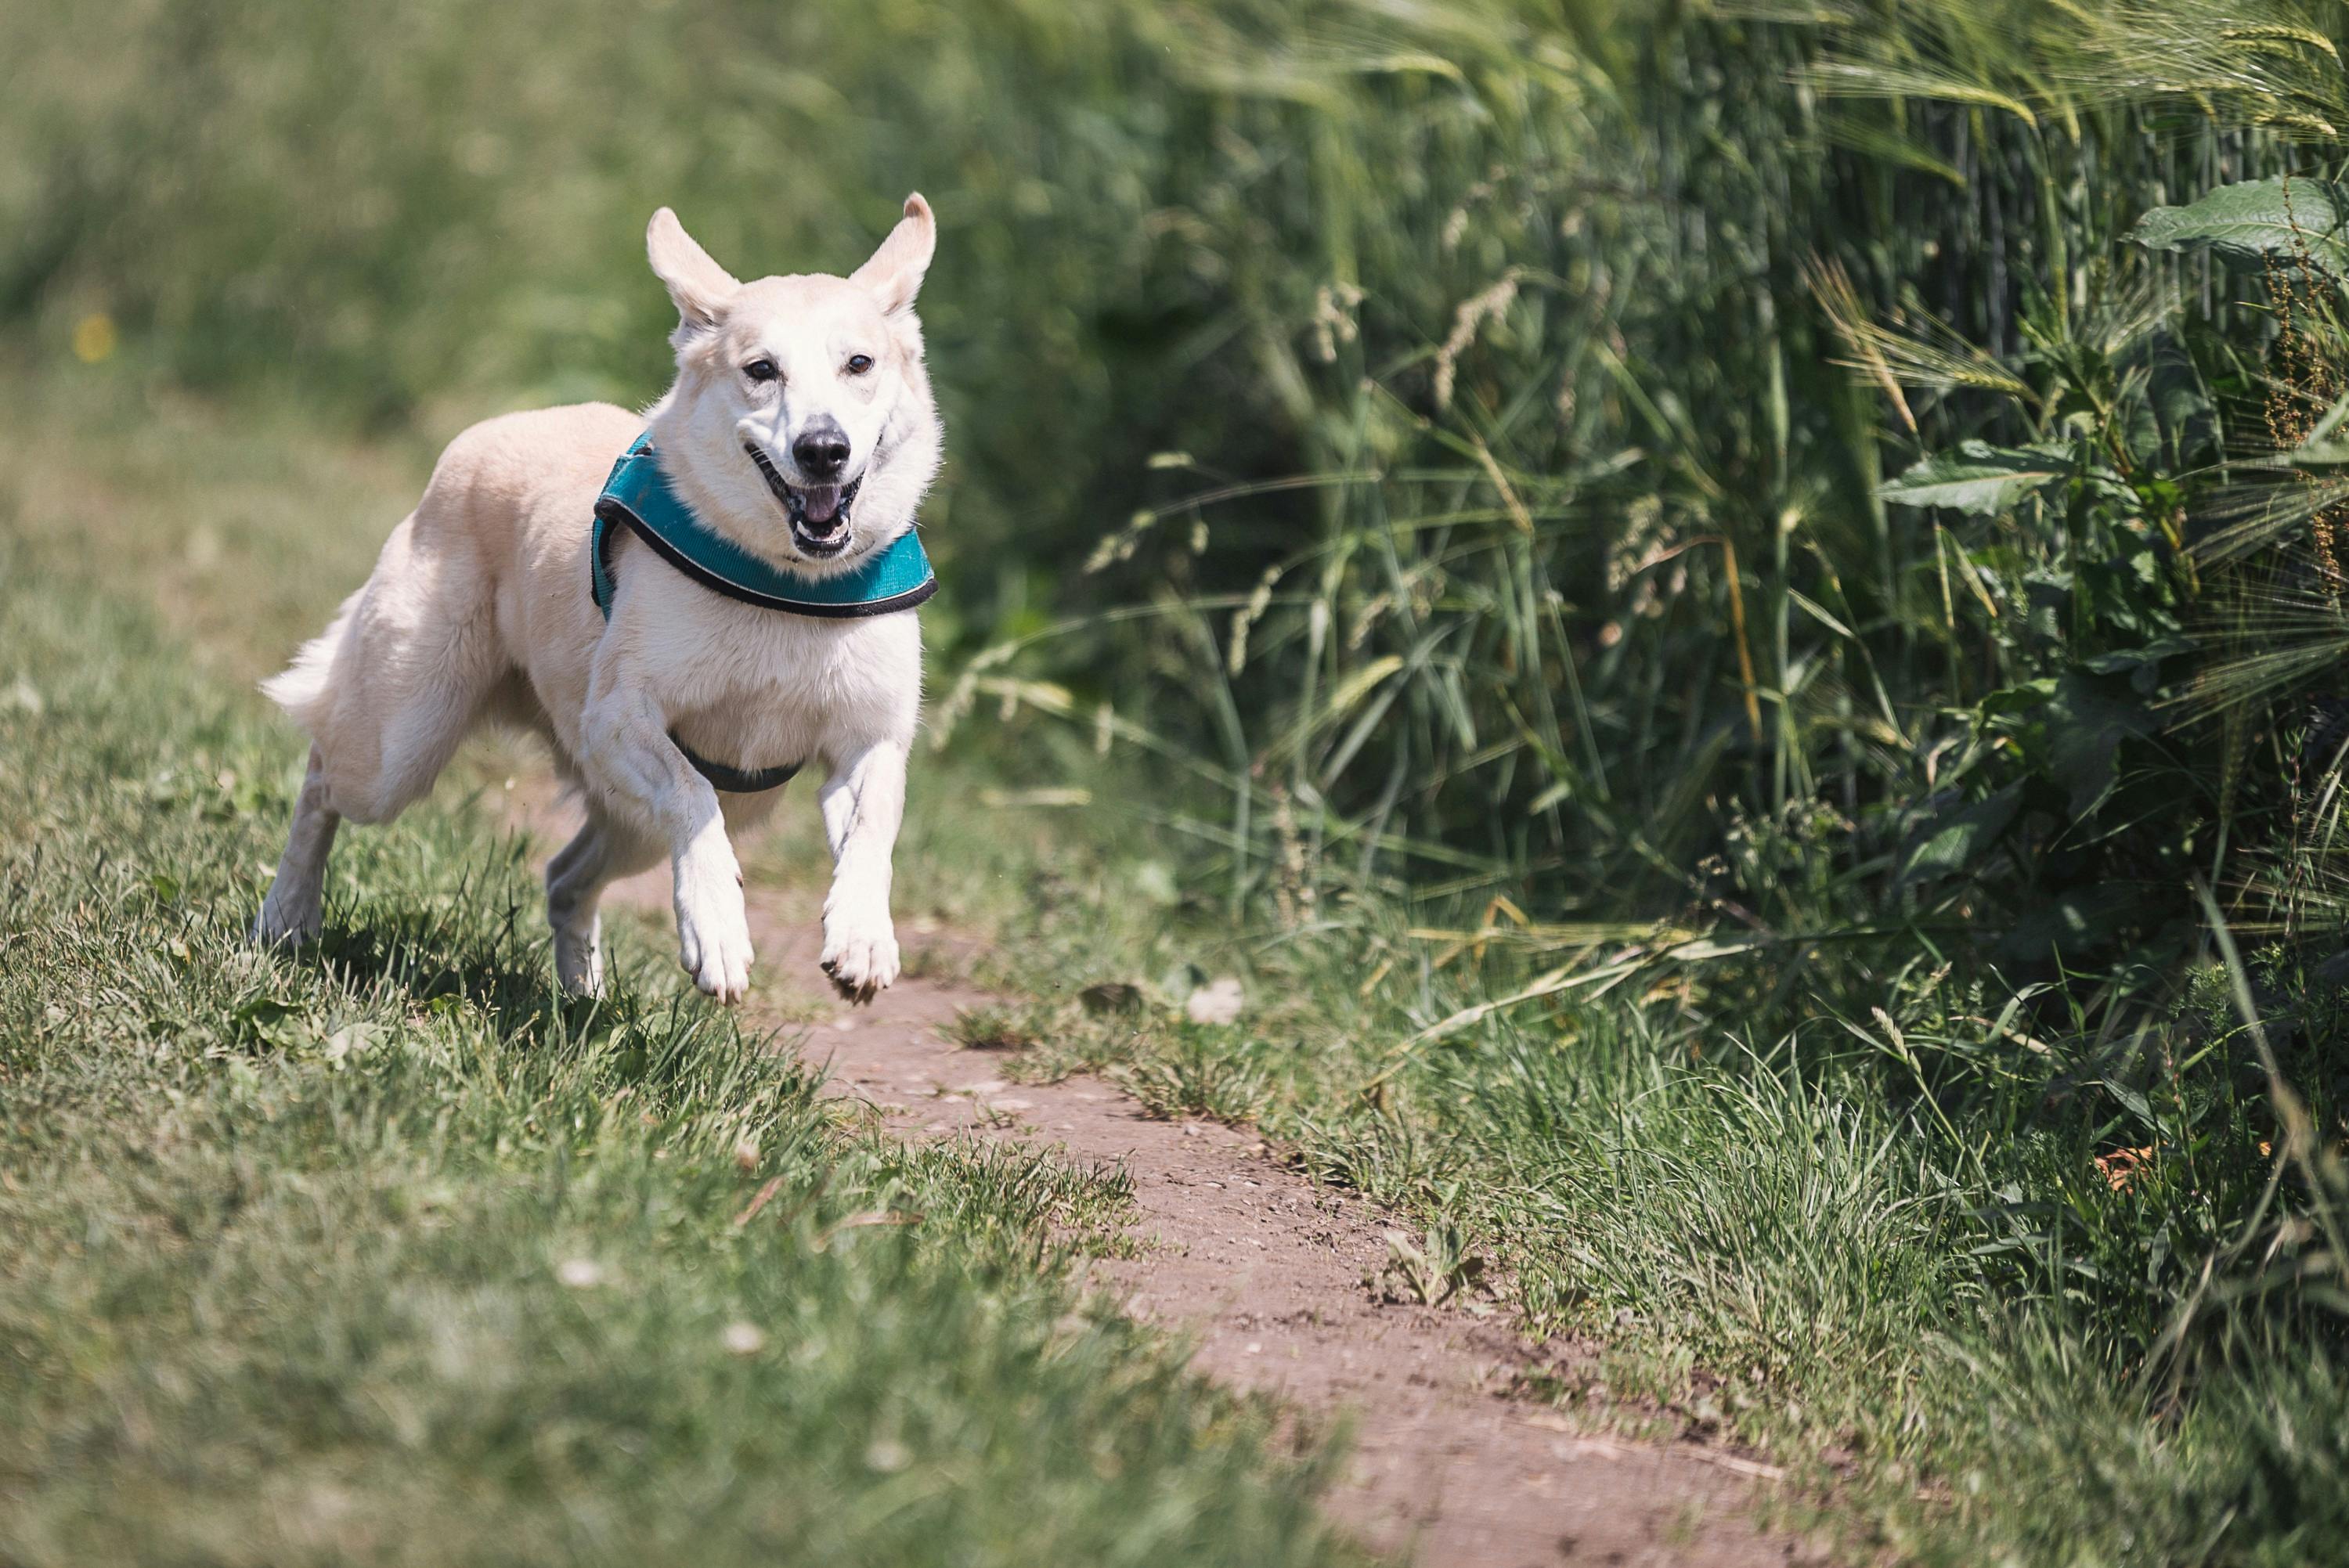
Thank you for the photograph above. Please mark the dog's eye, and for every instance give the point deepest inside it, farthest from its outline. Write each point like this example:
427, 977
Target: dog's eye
760, 370
858, 364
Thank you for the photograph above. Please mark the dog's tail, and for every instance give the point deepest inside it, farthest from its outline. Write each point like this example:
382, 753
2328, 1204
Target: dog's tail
301, 687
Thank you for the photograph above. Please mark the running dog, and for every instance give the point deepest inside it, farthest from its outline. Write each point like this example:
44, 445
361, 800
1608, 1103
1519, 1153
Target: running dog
688, 603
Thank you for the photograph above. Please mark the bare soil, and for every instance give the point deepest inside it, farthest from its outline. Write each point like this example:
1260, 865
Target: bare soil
1272, 1278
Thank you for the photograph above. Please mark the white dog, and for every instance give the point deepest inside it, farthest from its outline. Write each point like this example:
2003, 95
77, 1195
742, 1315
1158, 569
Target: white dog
763, 622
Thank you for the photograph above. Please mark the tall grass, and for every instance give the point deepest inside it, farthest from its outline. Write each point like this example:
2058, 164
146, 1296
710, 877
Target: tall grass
1595, 401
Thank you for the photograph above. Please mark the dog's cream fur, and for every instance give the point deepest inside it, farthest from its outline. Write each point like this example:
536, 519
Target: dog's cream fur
479, 609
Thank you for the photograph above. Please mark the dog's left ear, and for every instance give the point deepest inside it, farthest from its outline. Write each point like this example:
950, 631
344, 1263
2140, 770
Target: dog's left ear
895, 272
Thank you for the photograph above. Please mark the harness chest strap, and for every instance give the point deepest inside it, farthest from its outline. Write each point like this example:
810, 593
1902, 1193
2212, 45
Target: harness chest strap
637, 497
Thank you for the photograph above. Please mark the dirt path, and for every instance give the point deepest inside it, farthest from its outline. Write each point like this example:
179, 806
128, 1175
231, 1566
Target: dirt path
1269, 1274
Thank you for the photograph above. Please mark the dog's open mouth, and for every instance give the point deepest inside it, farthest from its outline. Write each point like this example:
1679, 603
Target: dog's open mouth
819, 513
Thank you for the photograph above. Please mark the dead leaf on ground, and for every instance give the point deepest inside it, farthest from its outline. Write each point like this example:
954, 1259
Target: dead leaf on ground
2122, 1166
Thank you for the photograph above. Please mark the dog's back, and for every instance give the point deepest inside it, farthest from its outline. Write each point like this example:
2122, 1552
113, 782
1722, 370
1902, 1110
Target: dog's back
412, 660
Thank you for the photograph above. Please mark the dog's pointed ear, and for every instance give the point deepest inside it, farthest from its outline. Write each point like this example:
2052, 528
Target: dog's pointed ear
699, 286
893, 273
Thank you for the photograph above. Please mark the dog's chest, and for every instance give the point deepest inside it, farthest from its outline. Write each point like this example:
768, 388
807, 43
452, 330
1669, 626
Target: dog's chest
758, 689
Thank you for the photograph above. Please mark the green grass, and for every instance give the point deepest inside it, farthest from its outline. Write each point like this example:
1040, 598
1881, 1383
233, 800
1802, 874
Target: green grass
1937, 1318
1440, 452
384, 1253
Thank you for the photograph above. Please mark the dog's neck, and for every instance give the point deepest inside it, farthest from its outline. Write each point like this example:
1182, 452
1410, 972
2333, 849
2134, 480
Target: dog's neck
701, 456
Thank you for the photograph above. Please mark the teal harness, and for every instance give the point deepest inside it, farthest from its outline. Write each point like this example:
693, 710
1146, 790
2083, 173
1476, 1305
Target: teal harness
637, 497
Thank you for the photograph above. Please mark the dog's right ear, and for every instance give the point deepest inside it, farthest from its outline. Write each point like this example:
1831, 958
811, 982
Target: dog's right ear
893, 273
699, 286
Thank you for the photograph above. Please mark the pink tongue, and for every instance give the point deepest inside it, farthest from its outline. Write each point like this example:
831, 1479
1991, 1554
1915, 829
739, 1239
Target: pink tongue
821, 502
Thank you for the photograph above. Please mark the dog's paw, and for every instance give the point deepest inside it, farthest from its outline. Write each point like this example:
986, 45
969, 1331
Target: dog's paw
861, 955
289, 920
713, 935
579, 958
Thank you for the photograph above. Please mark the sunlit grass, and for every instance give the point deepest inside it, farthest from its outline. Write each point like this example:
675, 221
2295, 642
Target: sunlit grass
385, 1250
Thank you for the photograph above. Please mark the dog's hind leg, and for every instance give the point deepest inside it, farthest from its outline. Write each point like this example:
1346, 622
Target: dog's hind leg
387, 694
296, 906
603, 851
404, 672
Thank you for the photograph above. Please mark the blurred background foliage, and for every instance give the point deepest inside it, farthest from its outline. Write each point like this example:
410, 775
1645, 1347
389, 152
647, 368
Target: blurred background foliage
1791, 512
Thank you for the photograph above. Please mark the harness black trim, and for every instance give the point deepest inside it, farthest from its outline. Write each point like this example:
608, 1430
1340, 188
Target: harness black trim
735, 781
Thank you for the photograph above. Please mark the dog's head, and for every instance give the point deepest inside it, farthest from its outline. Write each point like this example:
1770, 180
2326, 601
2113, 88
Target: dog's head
801, 422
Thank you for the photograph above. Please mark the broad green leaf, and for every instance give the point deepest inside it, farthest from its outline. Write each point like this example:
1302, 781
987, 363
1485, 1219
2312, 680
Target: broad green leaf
1959, 837
1978, 477
2074, 922
2139, 663
2019, 698
2256, 219
2185, 426
2085, 727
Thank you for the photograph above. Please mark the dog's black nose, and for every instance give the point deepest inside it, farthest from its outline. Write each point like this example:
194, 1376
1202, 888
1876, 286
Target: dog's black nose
822, 449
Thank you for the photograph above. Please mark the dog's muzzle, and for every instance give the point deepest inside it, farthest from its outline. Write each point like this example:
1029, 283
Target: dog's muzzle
819, 513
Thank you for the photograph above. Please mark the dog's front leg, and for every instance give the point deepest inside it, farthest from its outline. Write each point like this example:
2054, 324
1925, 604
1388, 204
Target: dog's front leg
864, 802
630, 757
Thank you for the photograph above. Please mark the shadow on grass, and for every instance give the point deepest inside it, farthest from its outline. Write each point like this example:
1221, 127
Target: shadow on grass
479, 941
469, 937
